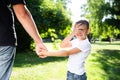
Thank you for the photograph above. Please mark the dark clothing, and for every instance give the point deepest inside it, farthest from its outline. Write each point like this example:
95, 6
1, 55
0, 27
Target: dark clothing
7, 31
7, 37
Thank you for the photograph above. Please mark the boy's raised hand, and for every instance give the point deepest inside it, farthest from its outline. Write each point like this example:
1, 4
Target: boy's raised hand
75, 29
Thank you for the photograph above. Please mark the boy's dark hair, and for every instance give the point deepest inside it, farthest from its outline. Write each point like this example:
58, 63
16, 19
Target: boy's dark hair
83, 22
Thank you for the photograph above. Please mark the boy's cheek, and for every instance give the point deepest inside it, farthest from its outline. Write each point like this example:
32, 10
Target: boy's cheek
76, 32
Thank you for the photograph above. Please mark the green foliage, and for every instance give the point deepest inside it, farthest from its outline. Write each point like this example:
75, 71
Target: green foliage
113, 10
109, 32
50, 33
65, 32
104, 16
51, 14
56, 46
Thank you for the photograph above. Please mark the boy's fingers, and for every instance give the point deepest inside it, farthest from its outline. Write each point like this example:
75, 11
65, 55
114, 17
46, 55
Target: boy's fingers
42, 56
43, 50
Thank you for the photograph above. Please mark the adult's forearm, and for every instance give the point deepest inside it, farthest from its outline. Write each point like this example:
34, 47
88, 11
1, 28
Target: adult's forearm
28, 23
30, 26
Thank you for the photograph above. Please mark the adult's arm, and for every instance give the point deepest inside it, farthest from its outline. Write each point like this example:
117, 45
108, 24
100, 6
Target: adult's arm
25, 18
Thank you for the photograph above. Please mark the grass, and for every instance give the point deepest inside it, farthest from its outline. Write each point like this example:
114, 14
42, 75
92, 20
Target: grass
102, 64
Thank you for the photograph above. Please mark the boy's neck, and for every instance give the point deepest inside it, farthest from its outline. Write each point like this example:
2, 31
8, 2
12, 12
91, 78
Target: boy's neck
82, 38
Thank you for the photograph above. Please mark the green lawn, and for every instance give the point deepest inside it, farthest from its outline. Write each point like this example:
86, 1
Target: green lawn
102, 64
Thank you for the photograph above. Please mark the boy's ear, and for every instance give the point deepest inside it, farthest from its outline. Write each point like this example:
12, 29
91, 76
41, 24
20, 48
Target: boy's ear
88, 31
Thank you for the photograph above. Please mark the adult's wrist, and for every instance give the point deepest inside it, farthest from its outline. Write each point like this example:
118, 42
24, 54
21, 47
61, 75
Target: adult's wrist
38, 41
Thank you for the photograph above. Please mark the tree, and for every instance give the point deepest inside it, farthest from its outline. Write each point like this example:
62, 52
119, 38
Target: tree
52, 15
113, 11
104, 17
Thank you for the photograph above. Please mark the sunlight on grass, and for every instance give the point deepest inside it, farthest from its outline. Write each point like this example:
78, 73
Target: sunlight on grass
41, 71
102, 64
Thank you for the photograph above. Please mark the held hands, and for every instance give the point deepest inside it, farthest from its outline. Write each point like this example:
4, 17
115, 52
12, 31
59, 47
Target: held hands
42, 54
40, 47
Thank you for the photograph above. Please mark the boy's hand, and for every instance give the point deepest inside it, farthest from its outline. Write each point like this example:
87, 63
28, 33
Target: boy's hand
75, 29
40, 47
42, 54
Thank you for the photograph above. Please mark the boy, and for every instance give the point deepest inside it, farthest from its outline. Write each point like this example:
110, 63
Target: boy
77, 54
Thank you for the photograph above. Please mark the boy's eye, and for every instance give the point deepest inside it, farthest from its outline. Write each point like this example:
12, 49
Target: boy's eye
81, 29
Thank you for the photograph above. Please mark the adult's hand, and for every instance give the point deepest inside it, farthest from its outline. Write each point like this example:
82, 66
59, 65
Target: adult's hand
42, 54
39, 48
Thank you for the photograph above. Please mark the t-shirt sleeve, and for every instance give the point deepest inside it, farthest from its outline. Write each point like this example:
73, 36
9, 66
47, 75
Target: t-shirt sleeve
14, 2
82, 46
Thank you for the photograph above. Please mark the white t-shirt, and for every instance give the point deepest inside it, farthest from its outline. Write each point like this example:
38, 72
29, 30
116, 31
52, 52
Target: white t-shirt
76, 61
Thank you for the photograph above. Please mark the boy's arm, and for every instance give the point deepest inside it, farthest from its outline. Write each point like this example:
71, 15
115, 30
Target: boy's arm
60, 53
66, 42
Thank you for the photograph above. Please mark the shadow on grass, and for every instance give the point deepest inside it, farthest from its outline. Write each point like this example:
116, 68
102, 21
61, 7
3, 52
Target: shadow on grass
110, 63
30, 59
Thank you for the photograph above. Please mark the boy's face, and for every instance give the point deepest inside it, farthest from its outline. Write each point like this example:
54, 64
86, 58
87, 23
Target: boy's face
81, 31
